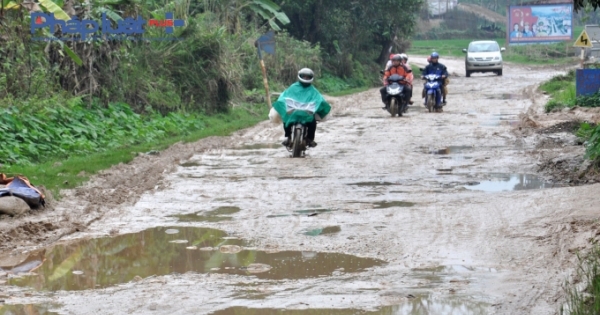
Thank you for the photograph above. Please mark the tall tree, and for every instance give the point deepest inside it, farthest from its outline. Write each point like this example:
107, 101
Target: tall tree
580, 4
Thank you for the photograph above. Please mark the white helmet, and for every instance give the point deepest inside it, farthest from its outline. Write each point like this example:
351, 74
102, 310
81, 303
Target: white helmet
404, 56
308, 75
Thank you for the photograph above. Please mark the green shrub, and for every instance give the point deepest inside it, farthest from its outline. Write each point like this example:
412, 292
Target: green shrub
72, 129
591, 134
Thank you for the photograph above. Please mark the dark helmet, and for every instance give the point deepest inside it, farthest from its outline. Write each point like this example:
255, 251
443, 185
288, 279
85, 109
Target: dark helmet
435, 55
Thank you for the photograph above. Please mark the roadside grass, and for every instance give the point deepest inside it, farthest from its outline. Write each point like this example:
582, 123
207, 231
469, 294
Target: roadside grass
586, 301
562, 90
349, 91
416, 70
541, 54
59, 173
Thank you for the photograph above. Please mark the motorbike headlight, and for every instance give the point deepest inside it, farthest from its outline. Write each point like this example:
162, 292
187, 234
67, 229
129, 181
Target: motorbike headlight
394, 91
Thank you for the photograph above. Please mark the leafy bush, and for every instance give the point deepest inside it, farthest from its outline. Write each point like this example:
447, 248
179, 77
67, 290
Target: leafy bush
591, 134
72, 129
558, 83
589, 100
588, 301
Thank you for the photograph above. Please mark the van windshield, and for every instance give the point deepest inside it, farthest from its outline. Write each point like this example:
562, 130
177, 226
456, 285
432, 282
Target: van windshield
483, 47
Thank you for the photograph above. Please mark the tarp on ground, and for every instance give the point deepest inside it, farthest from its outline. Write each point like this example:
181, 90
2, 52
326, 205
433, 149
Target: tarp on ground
20, 186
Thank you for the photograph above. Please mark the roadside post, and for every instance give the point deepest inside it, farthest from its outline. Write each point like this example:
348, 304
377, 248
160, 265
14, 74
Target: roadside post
266, 44
583, 41
587, 81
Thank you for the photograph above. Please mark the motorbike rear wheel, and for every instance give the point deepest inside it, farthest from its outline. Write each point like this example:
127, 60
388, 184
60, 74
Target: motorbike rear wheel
393, 107
430, 102
297, 143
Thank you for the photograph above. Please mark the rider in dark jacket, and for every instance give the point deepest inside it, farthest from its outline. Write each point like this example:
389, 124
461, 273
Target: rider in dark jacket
435, 67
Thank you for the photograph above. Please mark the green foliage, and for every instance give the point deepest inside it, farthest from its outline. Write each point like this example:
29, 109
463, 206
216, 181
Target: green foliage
558, 83
586, 302
589, 100
72, 171
329, 83
591, 135
65, 130
458, 24
562, 88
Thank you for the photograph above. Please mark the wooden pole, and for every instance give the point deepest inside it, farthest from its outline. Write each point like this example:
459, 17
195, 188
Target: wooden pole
264, 73
265, 82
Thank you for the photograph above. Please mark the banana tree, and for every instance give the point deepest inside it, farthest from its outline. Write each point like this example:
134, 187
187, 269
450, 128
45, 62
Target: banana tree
49, 6
230, 12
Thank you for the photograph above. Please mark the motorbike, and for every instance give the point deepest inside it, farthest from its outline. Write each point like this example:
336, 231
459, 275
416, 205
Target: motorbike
396, 101
298, 144
433, 93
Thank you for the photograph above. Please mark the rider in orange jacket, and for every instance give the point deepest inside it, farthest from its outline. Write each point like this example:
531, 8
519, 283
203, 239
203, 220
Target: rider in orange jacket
402, 70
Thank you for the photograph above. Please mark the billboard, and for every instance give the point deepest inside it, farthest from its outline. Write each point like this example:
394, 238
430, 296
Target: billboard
540, 23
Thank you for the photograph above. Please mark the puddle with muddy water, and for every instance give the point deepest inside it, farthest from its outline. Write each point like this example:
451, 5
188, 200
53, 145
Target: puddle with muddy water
258, 146
387, 204
504, 96
509, 182
27, 309
323, 231
419, 305
102, 262
217, 215
305, 212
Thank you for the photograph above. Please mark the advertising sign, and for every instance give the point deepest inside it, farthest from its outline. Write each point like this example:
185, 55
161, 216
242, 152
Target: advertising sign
544, 23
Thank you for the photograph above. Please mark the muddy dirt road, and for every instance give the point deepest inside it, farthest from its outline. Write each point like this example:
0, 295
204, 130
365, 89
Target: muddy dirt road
422, 214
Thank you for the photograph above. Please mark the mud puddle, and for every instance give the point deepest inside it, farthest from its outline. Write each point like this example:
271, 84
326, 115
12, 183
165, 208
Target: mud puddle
504, 96
27, 309
304, 212
387, 204
371, 184
217, 215
414, 305
453, 150
323, 231
258, 146
103, 262
497, 182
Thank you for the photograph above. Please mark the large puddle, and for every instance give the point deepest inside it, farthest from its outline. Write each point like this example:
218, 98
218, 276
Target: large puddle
509, 182
26, 309
102, 262
217, 215
425, 305
323, 231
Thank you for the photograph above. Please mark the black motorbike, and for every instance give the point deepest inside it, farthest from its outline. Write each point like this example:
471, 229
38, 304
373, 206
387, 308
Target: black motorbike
396, 102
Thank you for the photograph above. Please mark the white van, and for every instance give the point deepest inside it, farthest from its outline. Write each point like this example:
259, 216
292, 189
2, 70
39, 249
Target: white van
483, 56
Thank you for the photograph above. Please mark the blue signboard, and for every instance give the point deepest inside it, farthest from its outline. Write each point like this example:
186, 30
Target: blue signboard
588, 81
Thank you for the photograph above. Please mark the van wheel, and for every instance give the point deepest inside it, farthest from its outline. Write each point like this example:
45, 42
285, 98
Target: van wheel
468, 73
500, 72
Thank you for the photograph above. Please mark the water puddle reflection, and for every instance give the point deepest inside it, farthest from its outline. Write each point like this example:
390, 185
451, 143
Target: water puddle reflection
259, 146
323, 231
102, 262
368, 184
27, 309
504, 96
217, 215
509, 182
453, 150
424, 305
387, 204
304, 212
